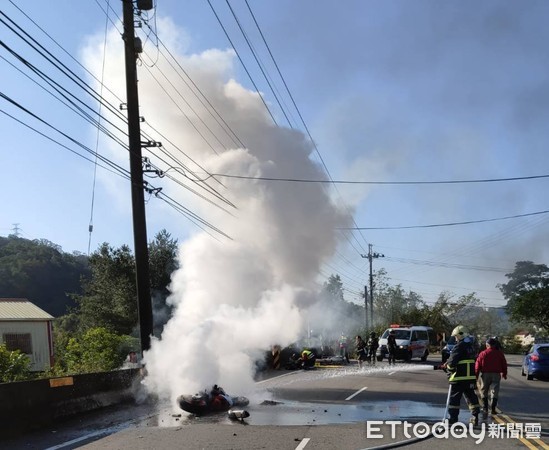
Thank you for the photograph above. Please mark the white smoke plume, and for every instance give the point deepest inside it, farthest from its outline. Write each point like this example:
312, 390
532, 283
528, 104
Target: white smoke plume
234, 299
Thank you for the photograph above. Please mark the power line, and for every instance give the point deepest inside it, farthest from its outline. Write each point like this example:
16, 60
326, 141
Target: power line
205, 102
447, 265
242, 62
82, 84
254, 53
90, 226
115, 166
304, 180
297, 109
468, 222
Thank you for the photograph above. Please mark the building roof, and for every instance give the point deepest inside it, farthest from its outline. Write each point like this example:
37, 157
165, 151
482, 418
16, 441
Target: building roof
21, 309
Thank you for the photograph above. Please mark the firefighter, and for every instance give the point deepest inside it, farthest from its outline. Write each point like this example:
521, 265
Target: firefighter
373, 344
391, 346
361, 350
308, 359
461, 376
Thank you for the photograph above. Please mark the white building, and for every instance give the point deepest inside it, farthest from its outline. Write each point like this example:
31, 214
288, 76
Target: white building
26, 327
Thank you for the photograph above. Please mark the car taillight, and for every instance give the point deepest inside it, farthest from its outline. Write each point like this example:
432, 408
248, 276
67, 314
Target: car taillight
534, 358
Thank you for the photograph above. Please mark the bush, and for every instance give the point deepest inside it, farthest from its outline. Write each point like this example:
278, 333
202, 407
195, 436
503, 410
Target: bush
97, 350
14, 365
513, 345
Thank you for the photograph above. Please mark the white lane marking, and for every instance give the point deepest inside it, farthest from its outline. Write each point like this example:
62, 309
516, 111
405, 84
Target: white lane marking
390, 373
303, 443
82, 438
356, 393
274, 378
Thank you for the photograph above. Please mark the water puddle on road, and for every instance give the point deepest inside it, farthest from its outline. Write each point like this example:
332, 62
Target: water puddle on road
298, 413
285, 412
323, 414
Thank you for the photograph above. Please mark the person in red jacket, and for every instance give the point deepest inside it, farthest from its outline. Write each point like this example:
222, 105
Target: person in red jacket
490, 367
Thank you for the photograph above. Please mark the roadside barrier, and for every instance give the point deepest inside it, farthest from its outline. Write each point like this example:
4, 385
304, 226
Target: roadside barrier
276, 357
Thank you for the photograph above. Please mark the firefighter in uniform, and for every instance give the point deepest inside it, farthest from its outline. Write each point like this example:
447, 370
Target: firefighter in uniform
461, 376
307, 360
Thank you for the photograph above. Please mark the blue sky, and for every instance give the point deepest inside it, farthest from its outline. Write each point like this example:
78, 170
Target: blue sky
390, 91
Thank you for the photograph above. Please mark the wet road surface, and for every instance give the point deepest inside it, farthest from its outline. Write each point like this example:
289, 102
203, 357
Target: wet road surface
344, 398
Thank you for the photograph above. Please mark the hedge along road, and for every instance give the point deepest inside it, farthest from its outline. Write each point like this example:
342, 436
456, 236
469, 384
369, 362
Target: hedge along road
323, 408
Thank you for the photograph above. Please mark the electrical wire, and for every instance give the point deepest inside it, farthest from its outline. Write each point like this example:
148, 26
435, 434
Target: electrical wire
90, 226
450, 224
302, 180
309, 134
63, 92
256, 57
242, 62
198, 93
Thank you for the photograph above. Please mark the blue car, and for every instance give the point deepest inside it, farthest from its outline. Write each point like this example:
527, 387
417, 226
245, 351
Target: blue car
536, 362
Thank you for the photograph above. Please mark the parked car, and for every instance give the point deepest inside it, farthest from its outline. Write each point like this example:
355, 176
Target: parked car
412, 342
451, 343
536, 362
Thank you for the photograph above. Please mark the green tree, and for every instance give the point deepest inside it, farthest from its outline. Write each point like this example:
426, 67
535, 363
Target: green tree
527, 294
109, 299
109, 296
392, 304
97, 350
163, 262
14, 365
40, 271
64, 328
334, 288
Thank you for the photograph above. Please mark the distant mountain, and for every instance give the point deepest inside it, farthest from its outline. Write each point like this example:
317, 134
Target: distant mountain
40, 271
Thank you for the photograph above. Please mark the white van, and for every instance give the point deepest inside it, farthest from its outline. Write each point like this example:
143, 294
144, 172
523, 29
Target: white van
412, 342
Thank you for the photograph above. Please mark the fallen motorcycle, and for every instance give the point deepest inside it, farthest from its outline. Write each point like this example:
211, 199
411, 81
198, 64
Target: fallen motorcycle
204, 403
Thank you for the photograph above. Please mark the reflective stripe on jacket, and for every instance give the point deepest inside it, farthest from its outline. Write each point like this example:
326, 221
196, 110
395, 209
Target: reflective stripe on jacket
463, 371
461, 363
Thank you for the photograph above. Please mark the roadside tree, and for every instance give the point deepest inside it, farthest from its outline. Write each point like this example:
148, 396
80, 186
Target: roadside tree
527, 294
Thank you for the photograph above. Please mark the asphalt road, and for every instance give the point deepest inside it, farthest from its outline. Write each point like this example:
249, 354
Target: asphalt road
341, 408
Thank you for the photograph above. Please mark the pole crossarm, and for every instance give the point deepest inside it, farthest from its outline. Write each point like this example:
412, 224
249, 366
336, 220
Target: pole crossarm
371, 256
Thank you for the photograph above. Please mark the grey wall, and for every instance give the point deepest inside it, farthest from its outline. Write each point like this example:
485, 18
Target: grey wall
31, 404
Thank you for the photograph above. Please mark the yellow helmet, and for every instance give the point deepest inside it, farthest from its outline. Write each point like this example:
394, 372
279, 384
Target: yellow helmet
460, 332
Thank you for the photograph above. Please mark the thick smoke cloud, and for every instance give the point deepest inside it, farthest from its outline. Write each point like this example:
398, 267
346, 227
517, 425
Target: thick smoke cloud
233, 299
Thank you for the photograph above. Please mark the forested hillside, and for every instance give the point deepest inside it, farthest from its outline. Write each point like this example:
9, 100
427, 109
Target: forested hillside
40, 271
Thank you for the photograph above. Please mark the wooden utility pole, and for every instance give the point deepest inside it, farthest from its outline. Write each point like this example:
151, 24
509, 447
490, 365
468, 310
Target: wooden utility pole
365, 308
371, 255
132, 47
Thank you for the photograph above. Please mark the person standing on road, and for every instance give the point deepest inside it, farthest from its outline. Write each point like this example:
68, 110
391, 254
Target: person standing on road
461, 376
361, 351
490, 367
391, 346
373, 344
343, 347
440, 342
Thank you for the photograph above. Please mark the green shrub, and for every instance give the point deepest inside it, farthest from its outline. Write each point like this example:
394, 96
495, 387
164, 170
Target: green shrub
14, 365
97, 350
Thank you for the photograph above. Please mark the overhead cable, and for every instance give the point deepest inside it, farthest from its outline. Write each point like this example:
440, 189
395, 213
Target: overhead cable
450, 224
304, 180
242, 62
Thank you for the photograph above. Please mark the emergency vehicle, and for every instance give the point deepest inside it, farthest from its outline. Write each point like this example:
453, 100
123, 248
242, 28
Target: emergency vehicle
412, 342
